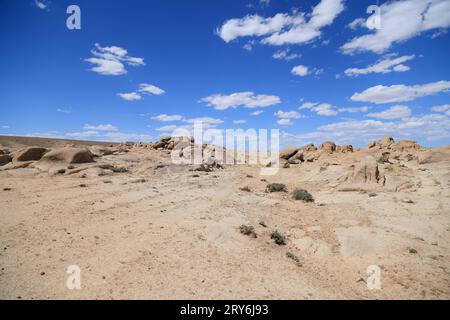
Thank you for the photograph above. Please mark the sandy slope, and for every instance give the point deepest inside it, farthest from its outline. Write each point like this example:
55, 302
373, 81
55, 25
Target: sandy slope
175, 233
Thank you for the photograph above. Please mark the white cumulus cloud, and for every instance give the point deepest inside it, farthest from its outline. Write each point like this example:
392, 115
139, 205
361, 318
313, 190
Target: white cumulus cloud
283, 28
383, 66
400, 21
400, 93
394, 112
111, 60
245, 99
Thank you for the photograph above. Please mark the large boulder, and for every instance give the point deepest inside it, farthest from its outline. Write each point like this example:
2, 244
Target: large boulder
372, 144
365, 176
30, 154
309, 147
5, 159
328, 146
406, 145
287, 153
69, 155
386, 142
345, 149
99, 151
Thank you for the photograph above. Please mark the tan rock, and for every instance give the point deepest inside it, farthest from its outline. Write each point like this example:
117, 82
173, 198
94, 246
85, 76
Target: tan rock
328, 146
386, 142
69, 155
5, 159
30, 154
287, 153
406, 145
365, 176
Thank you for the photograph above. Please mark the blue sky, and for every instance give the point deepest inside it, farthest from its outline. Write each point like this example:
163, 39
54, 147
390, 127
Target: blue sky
313, 69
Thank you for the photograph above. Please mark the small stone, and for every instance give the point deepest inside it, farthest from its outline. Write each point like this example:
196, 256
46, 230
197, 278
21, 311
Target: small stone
407, 201
412, 251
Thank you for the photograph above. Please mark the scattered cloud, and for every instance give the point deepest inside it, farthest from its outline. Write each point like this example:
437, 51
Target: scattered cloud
131, 96
400, 93
394, 112
386, 65
257, 112
240, 99
264, 3
401, 20
111, 60
285, 122
354, 109
150, 89
288, 114
41, 4
442, 108
101, 127
357, 23
283, 28
63, 110
286, 55
300, 70
322, 109
168, 118
239, 121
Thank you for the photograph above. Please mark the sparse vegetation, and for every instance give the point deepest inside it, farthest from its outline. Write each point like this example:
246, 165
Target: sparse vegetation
292, 256
278, 238
248, 230
302, 194
276, 187
246, 189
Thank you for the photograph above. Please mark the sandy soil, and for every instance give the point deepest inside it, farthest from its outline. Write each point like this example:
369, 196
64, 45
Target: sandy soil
160, 231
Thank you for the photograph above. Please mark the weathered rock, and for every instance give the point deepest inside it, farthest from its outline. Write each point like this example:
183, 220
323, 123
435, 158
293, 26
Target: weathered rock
386, 142
30, 154
365, 177
100, 151
406, 145
328, 146
344, 149
287, 153
5, 159
69, 155
309, 147
372, 144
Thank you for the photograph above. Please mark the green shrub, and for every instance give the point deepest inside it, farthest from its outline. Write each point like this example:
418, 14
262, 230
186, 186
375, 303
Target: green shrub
278, 238
247, 230
292, 256
276, 187
302, 194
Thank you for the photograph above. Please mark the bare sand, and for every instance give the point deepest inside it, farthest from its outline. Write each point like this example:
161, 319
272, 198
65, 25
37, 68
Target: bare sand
160, 231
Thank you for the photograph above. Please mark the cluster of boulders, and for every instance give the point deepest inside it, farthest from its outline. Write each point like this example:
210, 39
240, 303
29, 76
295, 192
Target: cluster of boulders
24, 157
389, 143
310, 152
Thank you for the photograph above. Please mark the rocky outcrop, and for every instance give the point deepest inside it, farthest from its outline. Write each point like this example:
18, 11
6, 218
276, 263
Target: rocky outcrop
328, 146
30, 154
406, 145
288, 153
69, 155
365, 176
5, 159
386, 142
344, 149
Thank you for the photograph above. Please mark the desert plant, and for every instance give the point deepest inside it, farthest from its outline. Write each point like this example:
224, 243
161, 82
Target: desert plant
292, 256
302, 194
278, 238
247, 230
276, 187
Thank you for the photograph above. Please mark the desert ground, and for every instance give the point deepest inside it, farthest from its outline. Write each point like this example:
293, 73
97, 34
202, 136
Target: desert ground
140, 227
